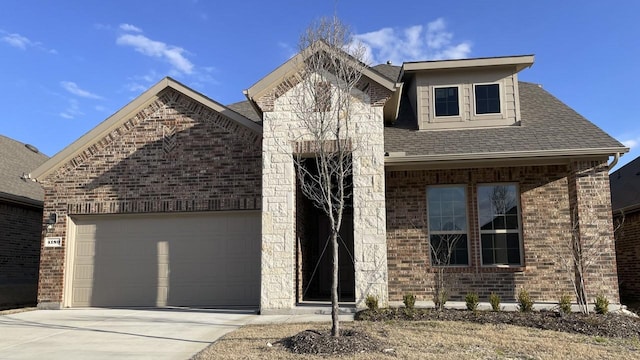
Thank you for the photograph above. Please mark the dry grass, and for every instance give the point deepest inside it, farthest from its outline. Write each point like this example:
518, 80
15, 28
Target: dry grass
432, 340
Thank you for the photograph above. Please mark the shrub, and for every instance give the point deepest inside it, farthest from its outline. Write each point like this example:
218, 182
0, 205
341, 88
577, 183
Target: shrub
494, 300
525, 304
440, 298
372, 302
472, 300
602, 304
409, 301
565, 304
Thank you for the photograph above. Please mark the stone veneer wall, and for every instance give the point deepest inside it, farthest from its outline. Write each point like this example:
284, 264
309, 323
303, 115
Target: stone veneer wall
546, 221
280, 128
628, 255
175, 155
20, 232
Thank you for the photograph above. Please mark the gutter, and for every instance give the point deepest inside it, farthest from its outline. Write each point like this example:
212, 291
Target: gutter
613, 162
627, 210
21, 200
400, 158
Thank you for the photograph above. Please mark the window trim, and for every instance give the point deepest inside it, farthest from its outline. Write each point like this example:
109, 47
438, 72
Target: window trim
467, 232
474, 101
433, 94
501, 231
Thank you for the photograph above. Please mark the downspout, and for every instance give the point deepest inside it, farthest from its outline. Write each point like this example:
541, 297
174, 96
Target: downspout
613, 163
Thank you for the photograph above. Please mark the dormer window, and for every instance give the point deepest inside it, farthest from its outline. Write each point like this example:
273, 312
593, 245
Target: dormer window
446, 101
487, 99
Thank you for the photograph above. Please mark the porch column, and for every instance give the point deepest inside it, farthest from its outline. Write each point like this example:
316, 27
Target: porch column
590, 202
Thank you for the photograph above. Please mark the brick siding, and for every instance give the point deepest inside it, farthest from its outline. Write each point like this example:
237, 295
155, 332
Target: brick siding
546, 224
175, 155
628, 255
20, 231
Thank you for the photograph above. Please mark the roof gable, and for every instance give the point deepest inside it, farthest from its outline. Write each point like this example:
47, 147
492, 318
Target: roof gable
287, 75
131, 110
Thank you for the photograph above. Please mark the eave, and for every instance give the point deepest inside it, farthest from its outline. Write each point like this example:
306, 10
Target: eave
512, 158
519, 62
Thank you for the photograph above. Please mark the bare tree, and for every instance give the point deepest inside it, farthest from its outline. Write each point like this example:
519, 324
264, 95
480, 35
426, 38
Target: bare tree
578, 254
330, 74
442, 253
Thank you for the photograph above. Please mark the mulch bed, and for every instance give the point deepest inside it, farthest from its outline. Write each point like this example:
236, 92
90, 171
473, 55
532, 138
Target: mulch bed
352, 341
608, 325
322, 343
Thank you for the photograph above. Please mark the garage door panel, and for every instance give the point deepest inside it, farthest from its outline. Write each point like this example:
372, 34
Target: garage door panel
186, 260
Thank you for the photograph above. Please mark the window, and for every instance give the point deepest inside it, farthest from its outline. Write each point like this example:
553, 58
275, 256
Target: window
322, 96
487, 99
499, 218
447, 216
446, 101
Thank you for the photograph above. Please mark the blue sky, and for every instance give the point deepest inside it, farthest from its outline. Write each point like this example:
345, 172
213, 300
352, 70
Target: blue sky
66, 66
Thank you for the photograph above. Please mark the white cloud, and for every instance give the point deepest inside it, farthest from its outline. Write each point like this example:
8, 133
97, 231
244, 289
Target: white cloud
130, 28
172, 54
631, 143
289, 50
73, 88
414, 43
17, 40
22, 42
72, 111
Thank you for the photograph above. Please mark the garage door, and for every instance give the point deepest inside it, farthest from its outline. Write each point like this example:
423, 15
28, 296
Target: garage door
203, 260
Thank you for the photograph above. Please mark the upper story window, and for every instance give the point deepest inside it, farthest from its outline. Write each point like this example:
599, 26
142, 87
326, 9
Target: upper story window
446, 101
447, 217
499, 218
487, 99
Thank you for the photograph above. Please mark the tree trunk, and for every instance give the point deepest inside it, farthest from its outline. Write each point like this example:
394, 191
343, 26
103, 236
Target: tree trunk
335, 326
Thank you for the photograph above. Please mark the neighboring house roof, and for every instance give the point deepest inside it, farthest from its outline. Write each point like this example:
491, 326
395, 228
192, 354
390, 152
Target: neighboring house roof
625, 187
548, 128
19, 159
120, 117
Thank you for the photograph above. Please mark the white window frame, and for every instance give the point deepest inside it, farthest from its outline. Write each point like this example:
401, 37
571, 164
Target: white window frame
453, 232
433, 95
475, 105
501, 231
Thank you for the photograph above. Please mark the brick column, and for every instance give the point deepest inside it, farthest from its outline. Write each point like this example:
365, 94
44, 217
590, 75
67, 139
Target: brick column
590, 202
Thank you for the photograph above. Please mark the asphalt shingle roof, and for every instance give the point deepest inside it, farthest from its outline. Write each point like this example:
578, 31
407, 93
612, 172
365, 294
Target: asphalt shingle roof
245, 109
547, 124
15, 161
625, 186
389, 71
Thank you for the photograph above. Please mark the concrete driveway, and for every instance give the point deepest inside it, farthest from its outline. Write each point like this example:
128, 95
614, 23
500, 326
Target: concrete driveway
114, 333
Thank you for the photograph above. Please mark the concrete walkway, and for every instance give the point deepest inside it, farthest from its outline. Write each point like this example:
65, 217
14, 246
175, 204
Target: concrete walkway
124, 333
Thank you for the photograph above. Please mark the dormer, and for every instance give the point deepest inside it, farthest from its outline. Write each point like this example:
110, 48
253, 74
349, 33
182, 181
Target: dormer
468, 93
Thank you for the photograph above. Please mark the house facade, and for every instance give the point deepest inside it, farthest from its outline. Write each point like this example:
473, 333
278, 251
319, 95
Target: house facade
177, 200
20, 223
625, 201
